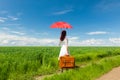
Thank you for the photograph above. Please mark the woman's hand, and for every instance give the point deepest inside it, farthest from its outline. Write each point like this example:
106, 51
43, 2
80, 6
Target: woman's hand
67, 54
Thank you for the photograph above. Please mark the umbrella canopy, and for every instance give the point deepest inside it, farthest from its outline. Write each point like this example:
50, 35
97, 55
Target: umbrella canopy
60, 25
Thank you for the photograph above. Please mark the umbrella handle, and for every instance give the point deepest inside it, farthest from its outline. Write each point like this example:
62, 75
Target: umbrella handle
63, 28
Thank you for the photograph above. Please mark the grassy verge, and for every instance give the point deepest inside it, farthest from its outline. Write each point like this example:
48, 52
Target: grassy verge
89, 72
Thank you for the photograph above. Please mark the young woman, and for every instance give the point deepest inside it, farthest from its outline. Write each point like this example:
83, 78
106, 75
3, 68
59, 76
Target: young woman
64, 44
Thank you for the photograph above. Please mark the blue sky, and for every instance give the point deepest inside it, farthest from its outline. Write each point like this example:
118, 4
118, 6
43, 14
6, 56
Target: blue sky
27, 22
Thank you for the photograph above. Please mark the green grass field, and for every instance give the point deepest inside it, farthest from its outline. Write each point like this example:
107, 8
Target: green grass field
23, 63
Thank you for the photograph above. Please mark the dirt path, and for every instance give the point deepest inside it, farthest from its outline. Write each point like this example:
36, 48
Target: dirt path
57, 72
114, 74
49, 75
42, 77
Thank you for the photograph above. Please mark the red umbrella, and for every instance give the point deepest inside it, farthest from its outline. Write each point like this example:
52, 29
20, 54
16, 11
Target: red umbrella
60, 24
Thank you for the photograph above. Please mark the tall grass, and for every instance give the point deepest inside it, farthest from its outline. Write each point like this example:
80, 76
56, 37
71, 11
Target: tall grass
26, 62
23, 63
89, 72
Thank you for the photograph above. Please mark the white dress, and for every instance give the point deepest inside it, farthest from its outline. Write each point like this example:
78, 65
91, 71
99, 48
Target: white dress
64, 45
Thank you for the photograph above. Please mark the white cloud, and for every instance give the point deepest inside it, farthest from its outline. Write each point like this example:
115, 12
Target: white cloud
115, 40
5, 28
73, 38
7, 39
42, 33
16, 32
63, 12
97, 33
10, 31
10, 39
13, 18
15, 37
108, 5
19, 38
92, 42
12, 24
73, 41
3, 19
4, 16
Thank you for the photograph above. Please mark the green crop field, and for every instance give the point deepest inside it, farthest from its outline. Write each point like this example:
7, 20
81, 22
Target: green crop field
24, 63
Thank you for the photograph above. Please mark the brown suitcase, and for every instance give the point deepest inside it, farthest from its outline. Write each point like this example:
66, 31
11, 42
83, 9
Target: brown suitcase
67, 62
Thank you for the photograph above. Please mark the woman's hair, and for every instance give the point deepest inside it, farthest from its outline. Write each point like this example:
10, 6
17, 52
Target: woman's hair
63, 35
